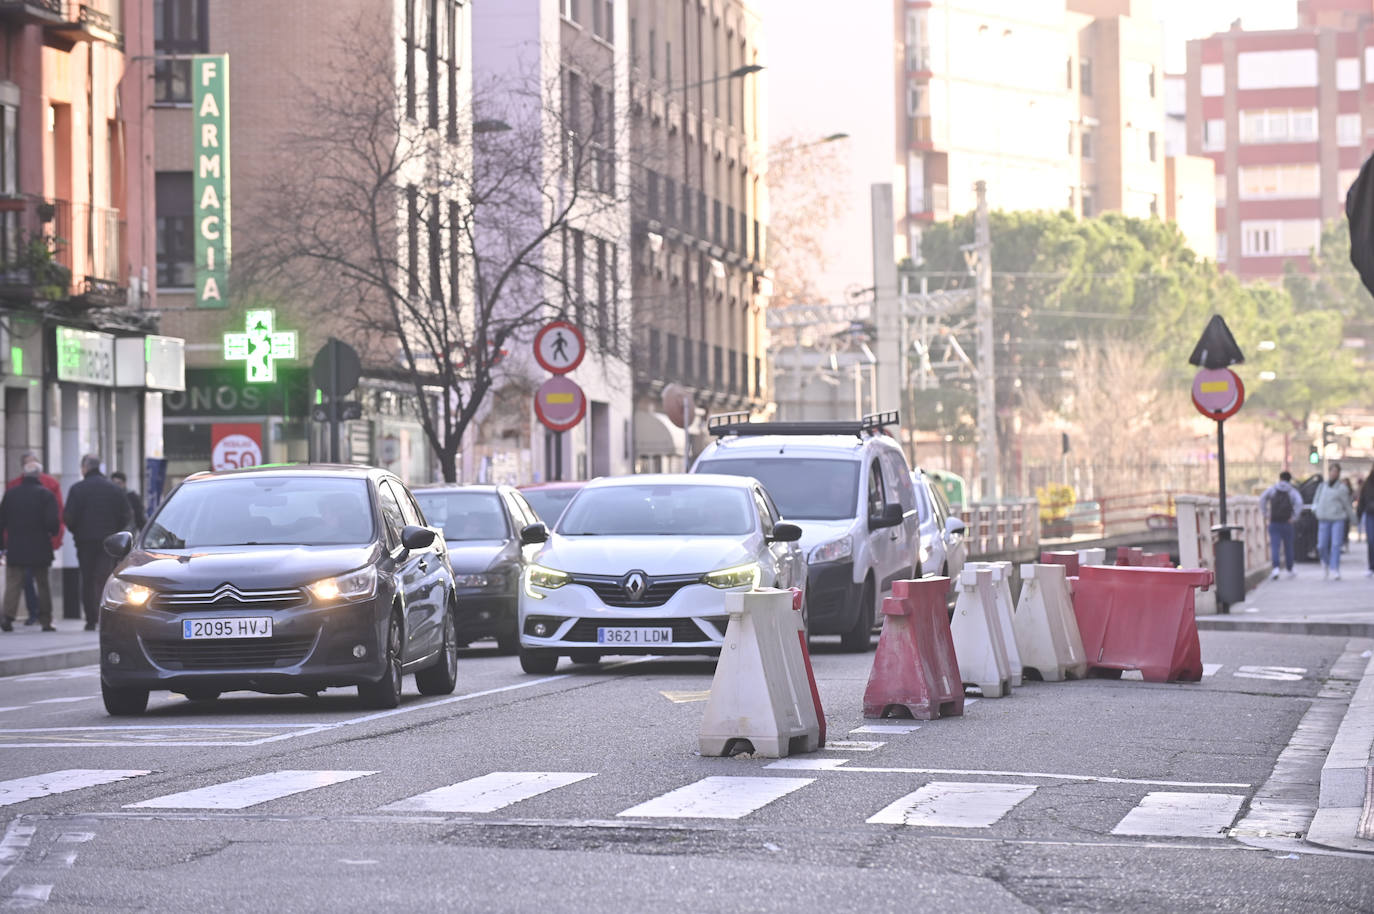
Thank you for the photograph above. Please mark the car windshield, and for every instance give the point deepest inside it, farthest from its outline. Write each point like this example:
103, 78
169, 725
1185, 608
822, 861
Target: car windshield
264, 511
659, 510
549, 503
465, 515
803, 488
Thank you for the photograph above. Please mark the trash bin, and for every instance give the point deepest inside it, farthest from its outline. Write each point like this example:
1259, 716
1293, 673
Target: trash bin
1229, 565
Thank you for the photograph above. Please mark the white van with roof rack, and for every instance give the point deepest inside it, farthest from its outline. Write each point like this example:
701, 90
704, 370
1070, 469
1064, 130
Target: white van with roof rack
848, 485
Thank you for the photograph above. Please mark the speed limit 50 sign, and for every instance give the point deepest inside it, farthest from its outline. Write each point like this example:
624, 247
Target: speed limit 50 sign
234, 445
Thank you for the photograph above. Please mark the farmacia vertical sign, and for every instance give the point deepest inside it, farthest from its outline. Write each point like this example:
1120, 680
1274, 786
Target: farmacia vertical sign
210, 145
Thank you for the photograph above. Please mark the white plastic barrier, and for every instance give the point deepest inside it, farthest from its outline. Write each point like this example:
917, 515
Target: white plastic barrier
978, 643
1005, 607
1095, 556
1046, 628
760, 693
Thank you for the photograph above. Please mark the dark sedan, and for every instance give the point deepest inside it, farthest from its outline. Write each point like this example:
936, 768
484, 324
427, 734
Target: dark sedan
482, 525
279, 579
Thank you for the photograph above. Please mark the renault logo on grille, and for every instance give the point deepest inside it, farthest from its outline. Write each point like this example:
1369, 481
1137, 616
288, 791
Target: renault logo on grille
635, 584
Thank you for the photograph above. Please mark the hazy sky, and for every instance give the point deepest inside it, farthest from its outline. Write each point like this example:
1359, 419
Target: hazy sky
831, 72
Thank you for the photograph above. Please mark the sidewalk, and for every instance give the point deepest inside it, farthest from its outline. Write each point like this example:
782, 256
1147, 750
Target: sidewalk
1307, 604
28, 649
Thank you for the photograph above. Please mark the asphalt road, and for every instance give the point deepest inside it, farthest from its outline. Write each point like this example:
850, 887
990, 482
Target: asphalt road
1093, 795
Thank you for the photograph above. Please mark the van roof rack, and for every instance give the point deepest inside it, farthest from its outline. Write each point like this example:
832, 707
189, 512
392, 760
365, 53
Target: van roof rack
738, 424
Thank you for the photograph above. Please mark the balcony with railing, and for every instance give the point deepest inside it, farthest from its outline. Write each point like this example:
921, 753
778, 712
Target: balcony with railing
933, 204
920, 132
918, 60
54, 250
64, 19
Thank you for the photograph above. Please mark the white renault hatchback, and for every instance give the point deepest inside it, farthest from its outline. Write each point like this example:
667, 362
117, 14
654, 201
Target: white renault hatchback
642, 564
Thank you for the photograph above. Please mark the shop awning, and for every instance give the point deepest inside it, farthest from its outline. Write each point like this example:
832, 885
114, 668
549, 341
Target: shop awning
655, 434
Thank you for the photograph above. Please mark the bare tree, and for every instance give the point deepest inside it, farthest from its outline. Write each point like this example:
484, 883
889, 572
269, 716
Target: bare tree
436, 249
806, 182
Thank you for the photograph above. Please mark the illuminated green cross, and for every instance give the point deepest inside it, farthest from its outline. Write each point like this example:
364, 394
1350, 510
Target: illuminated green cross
260, 346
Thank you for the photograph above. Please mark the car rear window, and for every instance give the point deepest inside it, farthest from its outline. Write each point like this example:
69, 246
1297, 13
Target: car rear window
465, 515
264, 511
804, 488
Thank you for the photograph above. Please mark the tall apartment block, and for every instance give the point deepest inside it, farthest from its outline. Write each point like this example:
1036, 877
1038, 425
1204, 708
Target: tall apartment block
1057, 104
1282, 115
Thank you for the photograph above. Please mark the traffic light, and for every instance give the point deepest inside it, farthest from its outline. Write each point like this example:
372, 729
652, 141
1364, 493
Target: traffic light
1328, 435
1314, 456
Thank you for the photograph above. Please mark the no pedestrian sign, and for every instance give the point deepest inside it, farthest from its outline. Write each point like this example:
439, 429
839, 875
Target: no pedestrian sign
560, 404
559, 347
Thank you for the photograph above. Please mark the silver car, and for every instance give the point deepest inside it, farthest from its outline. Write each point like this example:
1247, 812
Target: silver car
943, 550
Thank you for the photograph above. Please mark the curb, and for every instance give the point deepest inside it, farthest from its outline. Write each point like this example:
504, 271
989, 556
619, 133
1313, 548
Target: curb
53, 660
1346, 791
1337, 629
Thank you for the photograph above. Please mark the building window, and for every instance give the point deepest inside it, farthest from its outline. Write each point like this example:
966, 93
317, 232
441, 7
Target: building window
409, 43
1085, 143
1221, 190
455, 21
1294, 68
1348, 129
179, 27
1258, 182
176, 250
570, 9
1085, 75
1344, 178
1214, 135
653, 54
413, 241
1089, 203
434, 227
603, 293
1068, 73
1213, 80
1152, 141
435, 41
1348, 74
1278, 125
9, 145
1259, 239
1275, 238
1221, 247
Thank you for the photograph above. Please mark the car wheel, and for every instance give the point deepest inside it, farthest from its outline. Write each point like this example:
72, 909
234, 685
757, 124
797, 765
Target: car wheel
124, 702
585, 658
441, 678
385, 693
509, 643
540, 663
201, 694
859, 639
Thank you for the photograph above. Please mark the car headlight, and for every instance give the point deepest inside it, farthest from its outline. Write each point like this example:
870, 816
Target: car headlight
832, 551
547, 578
481, 581
738, 576
119, 592
356, 585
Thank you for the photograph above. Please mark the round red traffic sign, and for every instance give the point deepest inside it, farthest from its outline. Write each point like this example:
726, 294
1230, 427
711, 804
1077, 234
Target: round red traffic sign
559, 347
1218, 393
560, 404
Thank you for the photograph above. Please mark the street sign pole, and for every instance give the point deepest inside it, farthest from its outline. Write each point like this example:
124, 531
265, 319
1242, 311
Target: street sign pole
1221, 468
334, 410
557, 456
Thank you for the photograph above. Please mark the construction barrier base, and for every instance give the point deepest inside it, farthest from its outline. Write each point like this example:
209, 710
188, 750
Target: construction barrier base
915, 673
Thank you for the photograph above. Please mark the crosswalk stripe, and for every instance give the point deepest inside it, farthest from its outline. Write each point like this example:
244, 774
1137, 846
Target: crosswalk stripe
1181, 815
487, 793
954, 804
808, 764
249, 791
718, 798
43, 785
894, 729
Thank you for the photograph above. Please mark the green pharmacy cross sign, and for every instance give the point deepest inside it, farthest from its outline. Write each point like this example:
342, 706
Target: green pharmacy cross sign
260, 346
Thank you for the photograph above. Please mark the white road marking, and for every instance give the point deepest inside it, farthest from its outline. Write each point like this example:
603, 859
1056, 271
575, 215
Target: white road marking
808, 764
487, 793
717, 798
1211, 669
854, 745
887, 729
76, 837
249, 791
62, 701
53, 675
43, 785
1275, 673
15, 841
35, 894
14, 708
1038, 775
954, 804
1181, 815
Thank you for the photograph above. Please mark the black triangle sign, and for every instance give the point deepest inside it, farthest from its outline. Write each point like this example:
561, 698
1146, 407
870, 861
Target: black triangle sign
1217, 348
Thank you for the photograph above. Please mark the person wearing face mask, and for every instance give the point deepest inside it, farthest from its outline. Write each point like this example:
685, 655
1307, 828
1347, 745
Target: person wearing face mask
1334, 510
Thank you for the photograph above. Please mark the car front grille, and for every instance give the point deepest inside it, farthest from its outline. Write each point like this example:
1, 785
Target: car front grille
261, 653
611, 591
685, 631
228, 598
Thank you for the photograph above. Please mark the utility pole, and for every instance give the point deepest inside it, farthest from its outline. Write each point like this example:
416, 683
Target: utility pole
979, 259
887, 304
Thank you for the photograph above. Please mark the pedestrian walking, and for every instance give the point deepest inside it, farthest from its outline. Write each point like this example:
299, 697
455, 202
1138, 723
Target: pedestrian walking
96, 508
1334, 510
140, 517
1364, 510
28, 515
1280, 504
53, 486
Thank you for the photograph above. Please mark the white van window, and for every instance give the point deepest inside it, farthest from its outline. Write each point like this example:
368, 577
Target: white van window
897, 479
877, 495
804, 488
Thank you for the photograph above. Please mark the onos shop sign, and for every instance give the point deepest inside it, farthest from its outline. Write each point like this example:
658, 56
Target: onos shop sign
235, 444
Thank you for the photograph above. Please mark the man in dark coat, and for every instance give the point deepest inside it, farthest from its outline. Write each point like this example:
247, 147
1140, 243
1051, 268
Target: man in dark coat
52, 485
96, 508
28, 515
135, 502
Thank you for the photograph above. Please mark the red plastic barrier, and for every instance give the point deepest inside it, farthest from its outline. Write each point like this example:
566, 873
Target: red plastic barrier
1141, 619
1069, 559
1129, 557
806, 659
914, 666
1156, 560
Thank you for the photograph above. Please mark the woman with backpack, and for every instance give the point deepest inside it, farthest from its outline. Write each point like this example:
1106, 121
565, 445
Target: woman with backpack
1281, 504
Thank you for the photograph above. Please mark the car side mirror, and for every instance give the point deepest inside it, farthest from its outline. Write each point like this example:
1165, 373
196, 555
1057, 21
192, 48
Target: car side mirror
534, 534
118, 545
954, 525
891, 516
784, 532
413, 537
